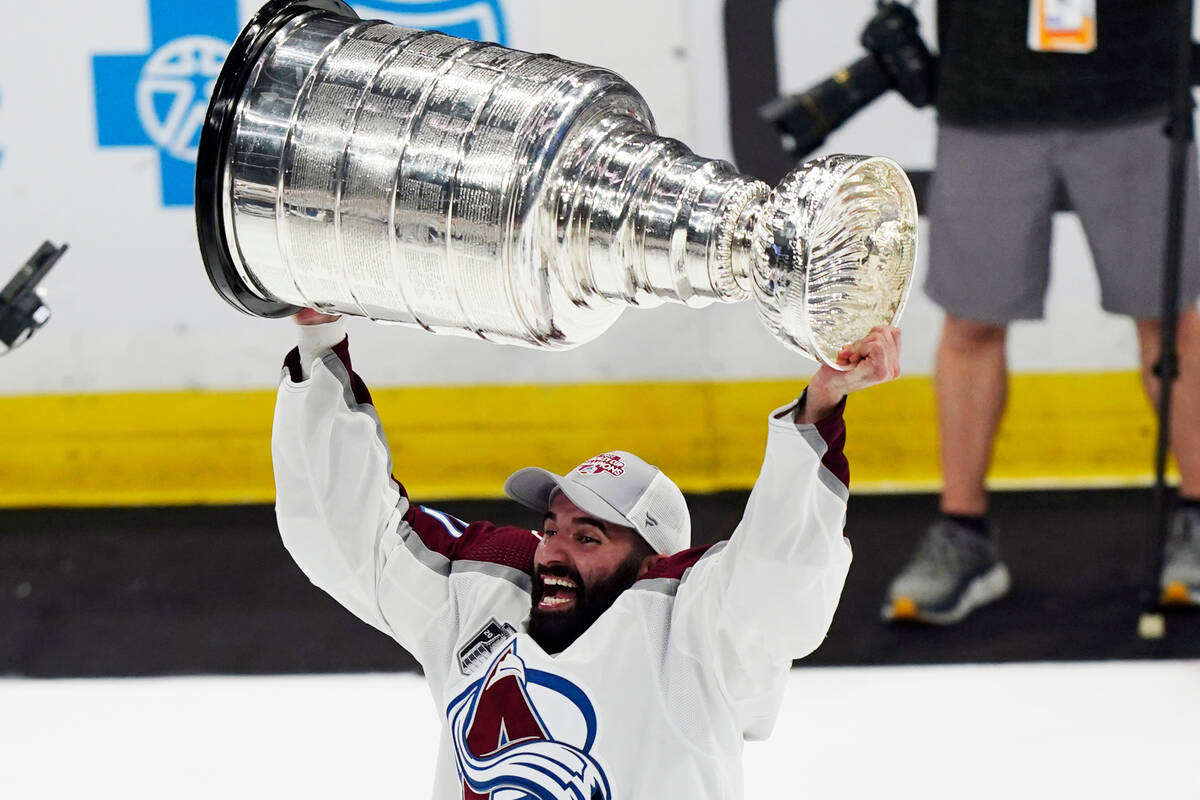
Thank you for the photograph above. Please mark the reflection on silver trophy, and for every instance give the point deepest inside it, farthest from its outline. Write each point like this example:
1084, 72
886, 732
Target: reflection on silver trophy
407, 176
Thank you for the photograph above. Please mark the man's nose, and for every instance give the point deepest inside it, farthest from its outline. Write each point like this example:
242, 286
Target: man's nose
554, 550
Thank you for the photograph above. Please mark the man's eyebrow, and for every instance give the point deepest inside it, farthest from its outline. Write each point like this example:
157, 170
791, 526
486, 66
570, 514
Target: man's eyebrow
592, 521
598, 524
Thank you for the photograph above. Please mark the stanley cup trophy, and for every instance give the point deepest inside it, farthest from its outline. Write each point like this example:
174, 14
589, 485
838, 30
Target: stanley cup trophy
407, 176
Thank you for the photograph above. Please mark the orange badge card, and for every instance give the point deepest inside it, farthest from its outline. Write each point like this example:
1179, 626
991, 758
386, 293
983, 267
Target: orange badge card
1062, 26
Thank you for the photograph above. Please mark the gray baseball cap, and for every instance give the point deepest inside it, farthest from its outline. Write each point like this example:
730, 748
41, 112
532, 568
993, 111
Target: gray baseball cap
616, 487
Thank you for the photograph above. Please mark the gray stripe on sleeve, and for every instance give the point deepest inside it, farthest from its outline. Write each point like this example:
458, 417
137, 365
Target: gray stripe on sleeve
670, 586
339, 372
514, 576
667, 586
821, 447
435, 561
833, 484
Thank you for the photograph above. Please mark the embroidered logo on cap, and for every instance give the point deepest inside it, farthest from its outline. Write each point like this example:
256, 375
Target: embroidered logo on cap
605, 462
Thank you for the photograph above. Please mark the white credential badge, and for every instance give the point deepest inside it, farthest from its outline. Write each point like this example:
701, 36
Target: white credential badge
1062, 26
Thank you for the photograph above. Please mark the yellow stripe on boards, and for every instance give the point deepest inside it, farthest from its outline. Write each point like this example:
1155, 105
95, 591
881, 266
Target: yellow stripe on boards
214, 447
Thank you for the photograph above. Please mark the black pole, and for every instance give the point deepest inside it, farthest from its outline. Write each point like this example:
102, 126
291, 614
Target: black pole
1180, 129
753, 79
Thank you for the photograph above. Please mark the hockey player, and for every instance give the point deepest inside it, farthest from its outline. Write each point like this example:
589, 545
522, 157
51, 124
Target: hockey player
598, 658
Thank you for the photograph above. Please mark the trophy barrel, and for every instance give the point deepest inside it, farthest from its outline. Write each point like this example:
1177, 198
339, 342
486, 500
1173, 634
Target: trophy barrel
228, 275
405, 176
411, 177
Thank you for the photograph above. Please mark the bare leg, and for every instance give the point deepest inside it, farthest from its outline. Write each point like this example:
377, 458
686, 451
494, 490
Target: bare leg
957, 568
971, 383
1185, 397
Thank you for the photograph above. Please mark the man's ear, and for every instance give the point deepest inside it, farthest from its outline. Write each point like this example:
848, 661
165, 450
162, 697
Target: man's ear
648, 562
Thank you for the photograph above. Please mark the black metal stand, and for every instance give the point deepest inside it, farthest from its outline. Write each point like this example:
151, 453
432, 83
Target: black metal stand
1181, 130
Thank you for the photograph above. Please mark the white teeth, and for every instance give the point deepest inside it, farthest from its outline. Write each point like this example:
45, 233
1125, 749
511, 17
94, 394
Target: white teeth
550, 580
548, 602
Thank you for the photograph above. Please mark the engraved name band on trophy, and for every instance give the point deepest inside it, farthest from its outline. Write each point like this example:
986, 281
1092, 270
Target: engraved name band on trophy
407, 176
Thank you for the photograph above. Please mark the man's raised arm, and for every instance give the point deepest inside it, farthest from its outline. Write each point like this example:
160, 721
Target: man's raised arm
337, 506
768, 595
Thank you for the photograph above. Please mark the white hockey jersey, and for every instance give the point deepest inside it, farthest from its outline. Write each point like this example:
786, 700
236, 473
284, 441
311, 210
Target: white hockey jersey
655, 699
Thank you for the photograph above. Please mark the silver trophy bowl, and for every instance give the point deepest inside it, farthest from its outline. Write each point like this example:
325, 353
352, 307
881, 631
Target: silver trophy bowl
410, 177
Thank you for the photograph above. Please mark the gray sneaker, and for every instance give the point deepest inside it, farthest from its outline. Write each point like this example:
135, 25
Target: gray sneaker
1180, 579
953, 571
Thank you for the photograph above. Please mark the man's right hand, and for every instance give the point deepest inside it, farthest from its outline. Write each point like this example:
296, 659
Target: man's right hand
873, 359
308, 316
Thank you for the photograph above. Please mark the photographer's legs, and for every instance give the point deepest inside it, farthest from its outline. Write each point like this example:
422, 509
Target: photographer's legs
991, 205
1124, 208
1185, 394
1180, 578
971, 383
956, 567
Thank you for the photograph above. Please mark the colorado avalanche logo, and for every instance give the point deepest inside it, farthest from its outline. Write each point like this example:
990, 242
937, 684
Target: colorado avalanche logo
506, 750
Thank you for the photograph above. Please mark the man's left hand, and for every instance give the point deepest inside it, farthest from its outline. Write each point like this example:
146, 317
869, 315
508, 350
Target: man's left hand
873, 359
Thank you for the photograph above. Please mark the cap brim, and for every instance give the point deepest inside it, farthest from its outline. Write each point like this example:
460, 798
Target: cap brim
532, 487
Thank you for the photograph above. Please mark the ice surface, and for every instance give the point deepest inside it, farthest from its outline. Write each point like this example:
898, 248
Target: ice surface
1094, 731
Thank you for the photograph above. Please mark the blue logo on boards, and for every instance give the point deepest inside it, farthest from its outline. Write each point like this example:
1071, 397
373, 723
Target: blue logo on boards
159, 98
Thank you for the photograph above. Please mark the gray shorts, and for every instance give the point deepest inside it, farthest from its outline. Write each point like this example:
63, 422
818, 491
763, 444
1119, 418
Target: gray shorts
992, 201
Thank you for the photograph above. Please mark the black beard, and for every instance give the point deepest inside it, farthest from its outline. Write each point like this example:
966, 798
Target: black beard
555, 631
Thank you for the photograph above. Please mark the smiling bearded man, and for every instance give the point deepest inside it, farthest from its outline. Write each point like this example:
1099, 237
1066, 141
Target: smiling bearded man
612, 517
598, 658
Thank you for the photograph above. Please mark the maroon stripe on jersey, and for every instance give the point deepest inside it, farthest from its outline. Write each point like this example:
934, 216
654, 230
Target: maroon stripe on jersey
674, 566
480, 541
291, 362
833, 431
342, 350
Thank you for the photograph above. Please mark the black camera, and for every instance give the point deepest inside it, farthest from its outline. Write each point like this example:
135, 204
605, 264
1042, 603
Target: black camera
897, 58
21, 308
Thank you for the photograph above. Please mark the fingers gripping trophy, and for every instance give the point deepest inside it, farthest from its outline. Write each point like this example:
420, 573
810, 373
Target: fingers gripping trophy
356, 167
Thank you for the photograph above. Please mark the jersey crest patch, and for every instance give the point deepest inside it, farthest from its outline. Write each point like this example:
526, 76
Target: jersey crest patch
483, 644
525, 734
